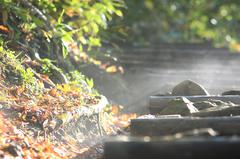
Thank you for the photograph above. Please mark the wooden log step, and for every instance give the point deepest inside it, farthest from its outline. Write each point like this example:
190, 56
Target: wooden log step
172, 125
124, 147
158, 103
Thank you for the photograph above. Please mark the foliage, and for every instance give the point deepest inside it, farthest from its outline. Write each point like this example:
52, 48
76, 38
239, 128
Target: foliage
49, 30
80, 81
152, 21
50, 27
34, 34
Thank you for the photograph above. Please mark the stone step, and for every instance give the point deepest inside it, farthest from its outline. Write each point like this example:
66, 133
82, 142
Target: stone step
158, 103
124, 147
171, 125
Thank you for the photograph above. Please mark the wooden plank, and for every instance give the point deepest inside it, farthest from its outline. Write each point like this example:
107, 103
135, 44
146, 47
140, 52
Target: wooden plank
166, 126
157, 103
153, 148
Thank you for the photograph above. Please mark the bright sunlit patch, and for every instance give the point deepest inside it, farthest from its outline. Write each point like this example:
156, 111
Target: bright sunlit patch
213, 21
146, 138
228, 38
117, 119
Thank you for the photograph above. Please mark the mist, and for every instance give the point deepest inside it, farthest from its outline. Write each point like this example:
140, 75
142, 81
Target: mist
151, 71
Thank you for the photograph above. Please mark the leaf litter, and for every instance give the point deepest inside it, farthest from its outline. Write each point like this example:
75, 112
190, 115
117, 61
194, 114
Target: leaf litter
27, 121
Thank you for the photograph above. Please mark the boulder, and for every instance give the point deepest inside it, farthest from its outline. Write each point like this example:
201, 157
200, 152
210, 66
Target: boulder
180, 105
189, 88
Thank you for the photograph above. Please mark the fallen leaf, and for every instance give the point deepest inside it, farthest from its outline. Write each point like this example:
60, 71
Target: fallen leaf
4, 29
53, 92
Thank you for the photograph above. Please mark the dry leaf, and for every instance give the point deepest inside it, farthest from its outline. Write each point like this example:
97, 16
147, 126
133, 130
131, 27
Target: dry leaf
4, 29
53, 92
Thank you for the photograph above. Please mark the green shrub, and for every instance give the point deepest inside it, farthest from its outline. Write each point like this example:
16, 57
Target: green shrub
51, 27
154, 21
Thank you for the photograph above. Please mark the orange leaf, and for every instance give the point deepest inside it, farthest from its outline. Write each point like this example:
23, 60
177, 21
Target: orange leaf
45, 77
115, 110
53, 92
4, 29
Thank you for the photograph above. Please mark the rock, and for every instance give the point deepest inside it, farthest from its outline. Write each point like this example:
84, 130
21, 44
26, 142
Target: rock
189, 88
222, 103
218, 111
231, 92
181, 106
202, 105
